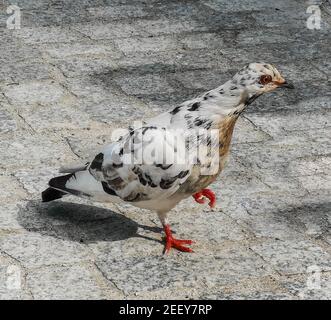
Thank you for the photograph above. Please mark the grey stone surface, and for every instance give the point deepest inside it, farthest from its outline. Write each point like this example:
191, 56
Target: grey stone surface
79, 279
35, 250
7, 123
77, 70
181, 272
293, 256
319, 285
34, 93
13, 190
31, 150
12, 283
9, 217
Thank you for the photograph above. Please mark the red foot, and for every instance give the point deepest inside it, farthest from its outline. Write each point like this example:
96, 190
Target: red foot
171, 242
199, 197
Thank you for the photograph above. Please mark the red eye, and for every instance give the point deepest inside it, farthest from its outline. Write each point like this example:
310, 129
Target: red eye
265, 79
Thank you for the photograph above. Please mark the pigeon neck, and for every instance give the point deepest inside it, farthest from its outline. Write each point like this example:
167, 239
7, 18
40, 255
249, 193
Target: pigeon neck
231, 99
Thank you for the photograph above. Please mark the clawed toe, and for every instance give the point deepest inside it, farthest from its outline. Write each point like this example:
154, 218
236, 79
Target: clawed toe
178, 244
199, 197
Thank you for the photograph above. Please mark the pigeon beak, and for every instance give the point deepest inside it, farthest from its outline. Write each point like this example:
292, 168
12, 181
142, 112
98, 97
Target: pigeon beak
285, 84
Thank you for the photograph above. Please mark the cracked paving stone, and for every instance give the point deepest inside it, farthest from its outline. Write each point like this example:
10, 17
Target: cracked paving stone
317, 182
9, 217
294, 17
34, 181
97, 98
178, 271
166, 294
323, 65
169, 42
12, 281
201, 58
257, 295
280, 182
300, 70
94, 89
313, 97
68, 118
173, 61
35, 216
13, 191
129, 274
80, 280
280, 124
154, 61
260, 37
7, 123
64, 50
234, 264
293, 256
15, 51
31, 93
33, 150
237, 180
118, 12
162, 274
292, 218
76, 221
39, 35
246, 132
224, 21
81, 65
310, 166
277, 155
115, 111
202, 79
191, 225
86, 145
120, 29
148, 84
314, 285
134, 244
64, 15
146, 44
14, 72
36, 250
237, 5
317, 224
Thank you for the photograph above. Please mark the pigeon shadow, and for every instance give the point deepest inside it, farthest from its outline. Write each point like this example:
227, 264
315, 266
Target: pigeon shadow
303, 218
79, 222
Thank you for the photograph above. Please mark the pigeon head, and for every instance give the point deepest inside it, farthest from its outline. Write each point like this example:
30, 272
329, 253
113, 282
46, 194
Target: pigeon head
259, 78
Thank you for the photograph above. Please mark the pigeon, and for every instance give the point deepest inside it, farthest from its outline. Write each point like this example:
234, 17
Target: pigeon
159, 162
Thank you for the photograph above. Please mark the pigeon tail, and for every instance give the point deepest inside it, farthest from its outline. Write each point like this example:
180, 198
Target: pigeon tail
51, 194
81, 184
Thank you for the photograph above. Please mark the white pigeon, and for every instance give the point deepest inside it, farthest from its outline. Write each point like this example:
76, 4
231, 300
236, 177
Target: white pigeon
173, 156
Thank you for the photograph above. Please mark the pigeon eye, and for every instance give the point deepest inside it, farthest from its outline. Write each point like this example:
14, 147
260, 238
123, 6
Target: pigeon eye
265, 79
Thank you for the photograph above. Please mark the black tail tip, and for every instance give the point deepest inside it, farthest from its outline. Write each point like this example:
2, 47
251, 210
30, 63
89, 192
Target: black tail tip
51, 194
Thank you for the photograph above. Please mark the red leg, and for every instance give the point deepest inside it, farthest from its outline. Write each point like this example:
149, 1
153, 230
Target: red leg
171, 242
199, 197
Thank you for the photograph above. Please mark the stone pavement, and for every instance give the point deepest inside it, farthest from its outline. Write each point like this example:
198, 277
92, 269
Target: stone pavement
78, 69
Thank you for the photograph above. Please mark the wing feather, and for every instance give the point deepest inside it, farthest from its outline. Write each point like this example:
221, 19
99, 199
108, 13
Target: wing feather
148, 163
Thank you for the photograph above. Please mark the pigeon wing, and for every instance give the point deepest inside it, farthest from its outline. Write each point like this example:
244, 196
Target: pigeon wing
148, 163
